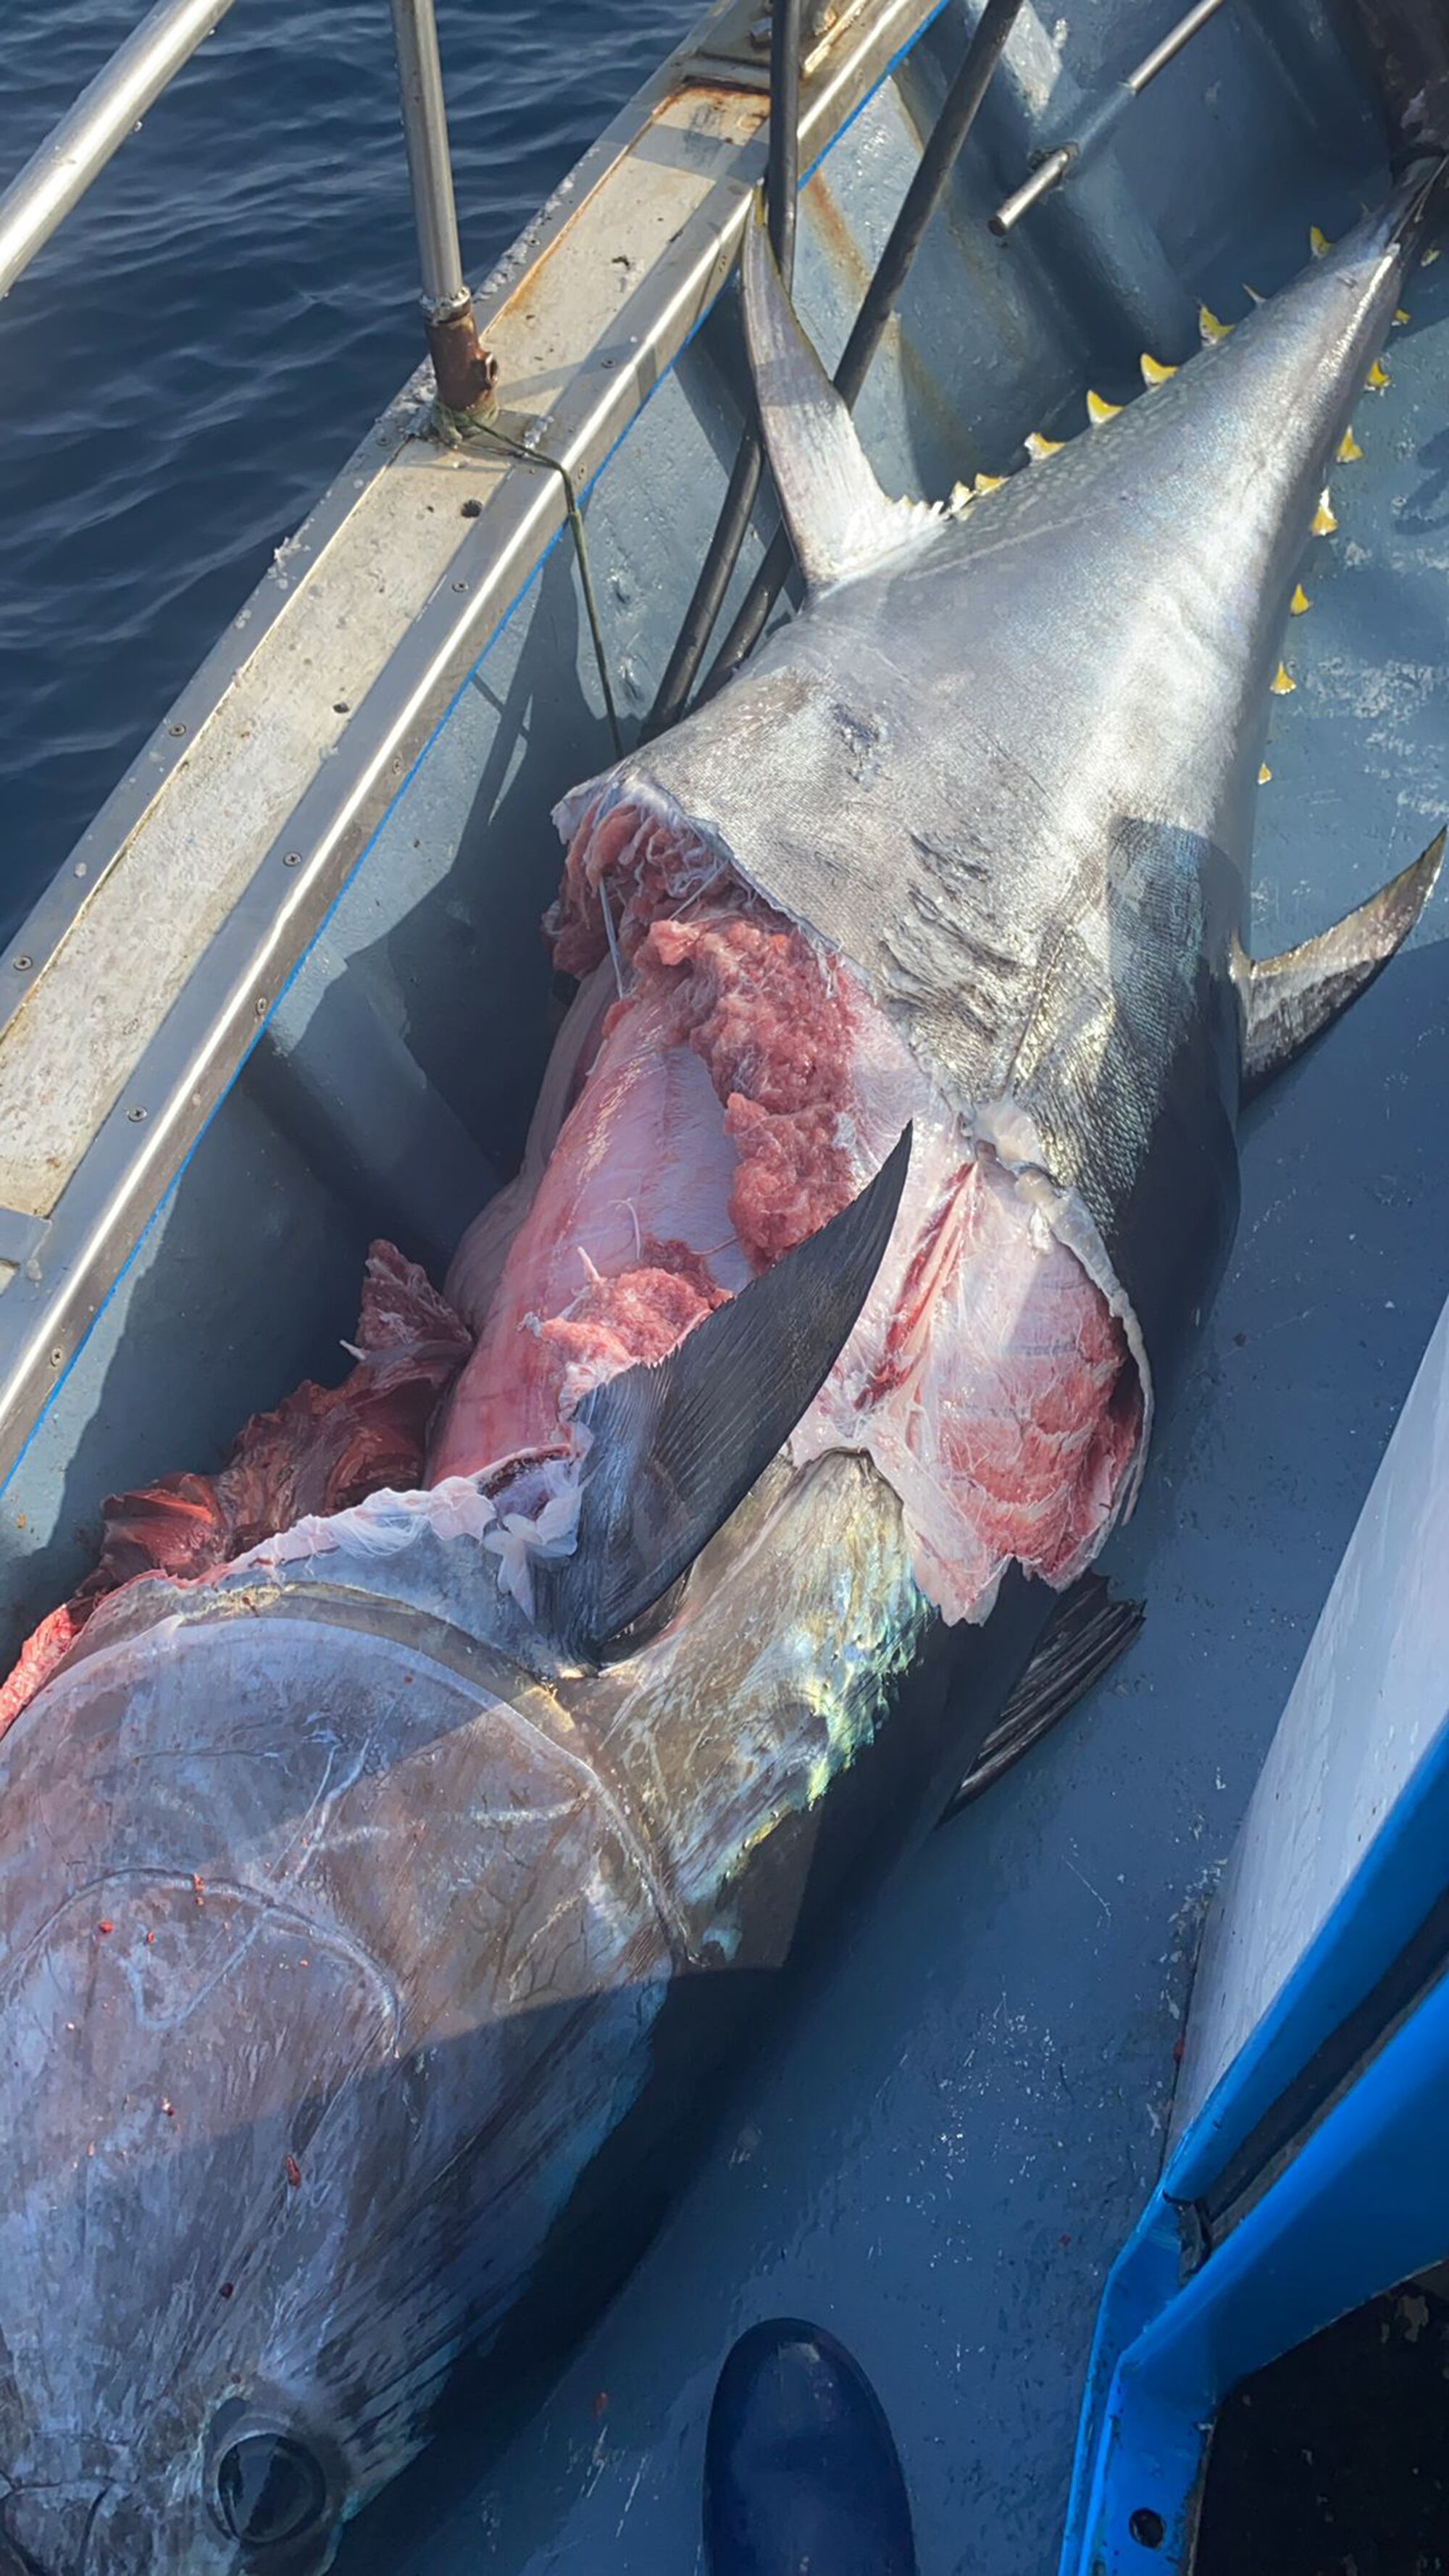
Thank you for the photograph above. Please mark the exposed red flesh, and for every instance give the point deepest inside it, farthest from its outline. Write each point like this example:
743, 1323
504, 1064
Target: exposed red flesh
773, 1027
993, 1388
320, 1451
648, 867
476, 1266
987, 1377
732, 1103
641, 1164
730, 1009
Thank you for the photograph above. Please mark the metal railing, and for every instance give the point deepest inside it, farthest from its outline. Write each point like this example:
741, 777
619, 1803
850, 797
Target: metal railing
1101, 122
465, 371
56, 177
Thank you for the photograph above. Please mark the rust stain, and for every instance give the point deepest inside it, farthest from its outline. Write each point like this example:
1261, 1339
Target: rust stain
837, 239
723, 98
734, 115
849, 267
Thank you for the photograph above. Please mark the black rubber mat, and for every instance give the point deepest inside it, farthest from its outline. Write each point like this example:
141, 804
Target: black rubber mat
1334, 2461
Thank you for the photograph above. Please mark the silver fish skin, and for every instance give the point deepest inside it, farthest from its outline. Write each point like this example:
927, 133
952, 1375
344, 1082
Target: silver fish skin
1007, 761
363, 1969
366, 1957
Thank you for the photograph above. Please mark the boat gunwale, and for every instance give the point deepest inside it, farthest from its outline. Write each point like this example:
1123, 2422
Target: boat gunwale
80, 1245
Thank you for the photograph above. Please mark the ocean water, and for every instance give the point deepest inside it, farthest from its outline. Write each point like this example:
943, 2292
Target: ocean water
195, 353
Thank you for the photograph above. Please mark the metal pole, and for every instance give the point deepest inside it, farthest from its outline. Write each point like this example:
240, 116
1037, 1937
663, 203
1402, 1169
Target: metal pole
1100, 122
466, 371
782, 181
1047, 175
1172, 44
58, 175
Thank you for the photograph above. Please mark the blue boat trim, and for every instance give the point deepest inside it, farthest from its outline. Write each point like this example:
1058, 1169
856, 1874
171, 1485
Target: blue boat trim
1312, 2176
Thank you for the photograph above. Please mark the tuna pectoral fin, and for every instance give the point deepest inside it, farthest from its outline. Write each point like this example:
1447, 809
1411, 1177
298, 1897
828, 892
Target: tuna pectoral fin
839, 518
675, 1447
1086, 1635
1288, 999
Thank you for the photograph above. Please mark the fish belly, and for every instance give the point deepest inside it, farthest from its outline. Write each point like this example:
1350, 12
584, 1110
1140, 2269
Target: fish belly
745, 1087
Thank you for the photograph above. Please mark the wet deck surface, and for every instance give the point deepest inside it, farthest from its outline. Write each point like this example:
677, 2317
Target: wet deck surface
942, 2150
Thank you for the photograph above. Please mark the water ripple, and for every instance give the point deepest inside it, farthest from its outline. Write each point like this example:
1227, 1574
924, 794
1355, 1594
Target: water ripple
196, 352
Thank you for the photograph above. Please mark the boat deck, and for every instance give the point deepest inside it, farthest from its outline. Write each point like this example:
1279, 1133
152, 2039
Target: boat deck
947, 2141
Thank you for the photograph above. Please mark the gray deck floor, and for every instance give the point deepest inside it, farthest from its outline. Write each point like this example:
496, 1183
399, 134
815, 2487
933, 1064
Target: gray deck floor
942, 2151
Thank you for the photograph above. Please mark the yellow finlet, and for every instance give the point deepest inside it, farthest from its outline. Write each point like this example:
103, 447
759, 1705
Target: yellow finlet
1428, 257
1399, 314
1037, 447
1318, 242
1299, 601
1349, 450
1099, 409
986, 483
1282, 683
1210, 327
1264, 774
1153, 370
1378, 376
960, 500
1324, 521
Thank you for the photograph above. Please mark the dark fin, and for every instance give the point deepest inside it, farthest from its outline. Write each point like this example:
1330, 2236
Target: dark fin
1088, 1632
1423, 190
1414, 214
839, 518
674, 1448
1287, 1000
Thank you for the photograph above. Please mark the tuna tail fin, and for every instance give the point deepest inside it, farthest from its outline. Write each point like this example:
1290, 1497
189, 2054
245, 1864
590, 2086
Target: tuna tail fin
1287, 1000
675, 1447
839, 518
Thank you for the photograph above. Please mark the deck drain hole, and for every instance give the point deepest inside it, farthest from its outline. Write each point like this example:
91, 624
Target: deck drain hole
1147, 2527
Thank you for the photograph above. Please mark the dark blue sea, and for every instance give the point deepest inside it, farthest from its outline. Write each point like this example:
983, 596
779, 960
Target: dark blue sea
198, 349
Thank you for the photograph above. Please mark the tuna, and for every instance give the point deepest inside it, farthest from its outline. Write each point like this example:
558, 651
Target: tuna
379, 1903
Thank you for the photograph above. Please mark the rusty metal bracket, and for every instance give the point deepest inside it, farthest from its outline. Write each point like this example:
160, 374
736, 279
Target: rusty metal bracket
466, 371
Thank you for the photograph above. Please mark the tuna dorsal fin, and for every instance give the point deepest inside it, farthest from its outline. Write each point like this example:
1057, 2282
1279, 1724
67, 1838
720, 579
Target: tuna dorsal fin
839, 518
675, 1447
1288, 999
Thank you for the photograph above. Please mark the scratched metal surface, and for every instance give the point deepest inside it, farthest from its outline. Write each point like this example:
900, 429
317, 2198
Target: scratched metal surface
945, 2142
